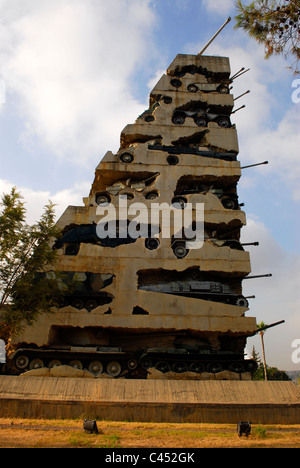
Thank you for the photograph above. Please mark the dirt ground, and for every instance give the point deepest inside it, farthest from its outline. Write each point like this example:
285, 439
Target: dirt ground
21, 433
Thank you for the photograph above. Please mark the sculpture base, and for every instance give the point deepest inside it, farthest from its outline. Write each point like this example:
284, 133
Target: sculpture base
150, 400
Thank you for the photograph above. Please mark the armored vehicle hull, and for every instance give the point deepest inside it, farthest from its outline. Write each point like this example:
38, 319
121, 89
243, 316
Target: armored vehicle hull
117, 363
211, 291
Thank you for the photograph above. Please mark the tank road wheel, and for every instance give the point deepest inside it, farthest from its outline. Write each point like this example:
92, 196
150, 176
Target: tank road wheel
95, 367
102, 198
201, 121
223, 122
180, 251
229, 203
214, 367
179, 367
132, 364
163, 366
242, 302
22, 362
180, 201
36, 363
152, 243
127, 158
114, 368
172, 160
151, 195
54, 363
236, 367
196, 367
178, 118
76, 364
77, 304
146, 363
192, 88
91, 304
223, 89
176, 83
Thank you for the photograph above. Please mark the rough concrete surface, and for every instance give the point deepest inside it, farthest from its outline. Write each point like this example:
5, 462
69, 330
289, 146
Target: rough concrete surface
150, 400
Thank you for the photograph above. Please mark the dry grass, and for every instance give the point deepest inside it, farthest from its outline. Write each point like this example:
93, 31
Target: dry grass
21, 433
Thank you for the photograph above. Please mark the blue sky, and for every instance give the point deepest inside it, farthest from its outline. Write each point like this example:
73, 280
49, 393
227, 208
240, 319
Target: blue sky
77, 71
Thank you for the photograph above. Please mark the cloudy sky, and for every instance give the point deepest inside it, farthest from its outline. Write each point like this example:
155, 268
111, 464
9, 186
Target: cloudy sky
73, 73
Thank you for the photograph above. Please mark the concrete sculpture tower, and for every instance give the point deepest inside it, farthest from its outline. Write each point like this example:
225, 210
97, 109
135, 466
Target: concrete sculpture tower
152, 300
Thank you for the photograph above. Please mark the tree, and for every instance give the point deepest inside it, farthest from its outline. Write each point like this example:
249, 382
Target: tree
261, 325
255, 355
273, 374
25, 253
274, 23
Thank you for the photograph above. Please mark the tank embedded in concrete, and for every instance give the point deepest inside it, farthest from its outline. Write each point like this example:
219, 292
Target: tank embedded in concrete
145, 298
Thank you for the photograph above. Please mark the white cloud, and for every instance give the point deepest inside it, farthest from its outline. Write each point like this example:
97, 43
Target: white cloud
154, 80
220, 7
36, 200
277, 298
266, 129
281, 147
70, 62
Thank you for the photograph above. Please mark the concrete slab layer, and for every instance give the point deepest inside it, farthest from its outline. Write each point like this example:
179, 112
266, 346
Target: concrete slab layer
150, 400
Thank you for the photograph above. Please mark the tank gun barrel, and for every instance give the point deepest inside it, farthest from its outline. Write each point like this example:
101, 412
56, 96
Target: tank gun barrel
259, 276
214, 36
238, 74
257, 164
266, 327
251, 243
241, 95
242, 107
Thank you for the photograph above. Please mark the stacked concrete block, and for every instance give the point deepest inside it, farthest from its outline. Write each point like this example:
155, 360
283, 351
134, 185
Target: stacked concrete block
153, 300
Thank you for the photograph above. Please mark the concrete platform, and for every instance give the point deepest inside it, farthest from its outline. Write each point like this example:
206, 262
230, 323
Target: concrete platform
150, 400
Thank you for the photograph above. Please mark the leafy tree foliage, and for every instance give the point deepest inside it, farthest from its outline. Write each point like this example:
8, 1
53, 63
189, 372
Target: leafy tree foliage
273, 373
274, 23
255, 355
25, 253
